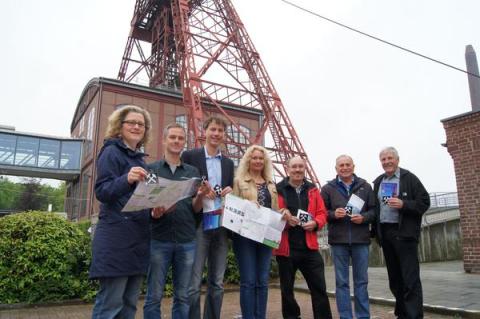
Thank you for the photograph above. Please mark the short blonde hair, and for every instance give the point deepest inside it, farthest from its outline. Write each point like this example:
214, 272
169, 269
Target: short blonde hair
114, 127
242, 169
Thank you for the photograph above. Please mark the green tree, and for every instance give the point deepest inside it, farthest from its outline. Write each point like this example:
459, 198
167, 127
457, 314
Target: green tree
55, 196
31, 197
9, 193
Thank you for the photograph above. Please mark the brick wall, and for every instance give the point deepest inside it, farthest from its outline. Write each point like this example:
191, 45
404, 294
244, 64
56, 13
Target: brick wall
463, 144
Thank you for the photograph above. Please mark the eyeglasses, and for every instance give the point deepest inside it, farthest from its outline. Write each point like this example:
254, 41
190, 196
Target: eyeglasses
132, 123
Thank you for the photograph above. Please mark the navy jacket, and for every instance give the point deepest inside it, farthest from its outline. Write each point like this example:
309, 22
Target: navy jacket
416, 201
122, 240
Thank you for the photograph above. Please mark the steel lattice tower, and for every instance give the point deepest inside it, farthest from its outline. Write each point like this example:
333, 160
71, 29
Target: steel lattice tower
202, 48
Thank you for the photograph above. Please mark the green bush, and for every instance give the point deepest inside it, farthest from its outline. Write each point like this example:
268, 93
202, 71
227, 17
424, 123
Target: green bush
44, 258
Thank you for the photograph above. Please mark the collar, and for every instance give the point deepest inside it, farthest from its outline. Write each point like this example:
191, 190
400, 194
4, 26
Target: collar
218, 155
296, 187
339, 180
396, 174
166, 164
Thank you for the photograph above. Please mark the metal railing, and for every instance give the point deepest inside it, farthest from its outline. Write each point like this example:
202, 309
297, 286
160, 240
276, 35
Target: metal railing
446, 199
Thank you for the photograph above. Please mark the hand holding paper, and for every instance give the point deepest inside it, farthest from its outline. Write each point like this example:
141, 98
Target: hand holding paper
354, 205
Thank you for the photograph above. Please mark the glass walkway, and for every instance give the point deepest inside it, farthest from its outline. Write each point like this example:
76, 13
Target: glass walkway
26, 154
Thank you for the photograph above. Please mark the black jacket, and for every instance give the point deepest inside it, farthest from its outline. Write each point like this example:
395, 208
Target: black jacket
196, 157
416, 201
343, 231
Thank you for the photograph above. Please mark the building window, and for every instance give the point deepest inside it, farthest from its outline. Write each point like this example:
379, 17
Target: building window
27, 151
7, 148
70, 155
234, 151
48, 154
182, 120
84, 199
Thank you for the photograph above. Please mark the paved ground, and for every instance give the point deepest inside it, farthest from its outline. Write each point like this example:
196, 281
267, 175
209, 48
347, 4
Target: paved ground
447, 290
230, 309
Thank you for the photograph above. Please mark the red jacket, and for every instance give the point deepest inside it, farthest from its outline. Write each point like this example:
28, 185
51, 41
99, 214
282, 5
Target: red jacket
316, 208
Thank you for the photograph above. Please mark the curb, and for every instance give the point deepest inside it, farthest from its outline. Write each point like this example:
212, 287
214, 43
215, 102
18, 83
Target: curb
441, 310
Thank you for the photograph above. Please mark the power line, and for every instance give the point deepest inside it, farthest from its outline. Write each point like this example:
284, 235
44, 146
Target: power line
379, 39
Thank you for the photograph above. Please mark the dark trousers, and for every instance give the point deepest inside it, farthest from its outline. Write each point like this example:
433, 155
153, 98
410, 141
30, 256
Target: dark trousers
310, 263
401, 258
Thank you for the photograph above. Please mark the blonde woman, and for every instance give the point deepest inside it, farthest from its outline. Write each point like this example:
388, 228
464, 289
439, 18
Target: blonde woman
120, 246
254, 181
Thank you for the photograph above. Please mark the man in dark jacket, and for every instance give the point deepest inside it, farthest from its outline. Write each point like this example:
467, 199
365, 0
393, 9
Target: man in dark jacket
350, 202
172, 231
212, 244
299, 246
401, 201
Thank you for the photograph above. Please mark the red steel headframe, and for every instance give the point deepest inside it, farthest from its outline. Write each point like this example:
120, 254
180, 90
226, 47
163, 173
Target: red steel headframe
202, 48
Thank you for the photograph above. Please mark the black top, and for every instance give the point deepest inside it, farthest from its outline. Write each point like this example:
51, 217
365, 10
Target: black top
263, 195
295, 200
179, 225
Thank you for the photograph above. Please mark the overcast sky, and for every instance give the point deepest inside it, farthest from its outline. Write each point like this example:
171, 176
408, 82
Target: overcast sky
344, 93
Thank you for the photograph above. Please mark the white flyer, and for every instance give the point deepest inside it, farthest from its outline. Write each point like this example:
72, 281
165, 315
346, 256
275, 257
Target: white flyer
160, 193
245, 218
354, 205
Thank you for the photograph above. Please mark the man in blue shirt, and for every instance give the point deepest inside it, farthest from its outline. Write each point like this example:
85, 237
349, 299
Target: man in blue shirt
172, 232
212, 244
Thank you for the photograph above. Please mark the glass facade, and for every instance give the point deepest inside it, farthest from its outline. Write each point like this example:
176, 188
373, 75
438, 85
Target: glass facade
20, 150
7, 148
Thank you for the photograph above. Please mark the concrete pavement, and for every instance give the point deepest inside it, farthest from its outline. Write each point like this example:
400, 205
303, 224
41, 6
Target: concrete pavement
447, 289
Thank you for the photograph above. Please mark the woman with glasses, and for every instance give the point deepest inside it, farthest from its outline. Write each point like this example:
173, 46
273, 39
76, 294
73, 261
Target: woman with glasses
121, 241
254, 181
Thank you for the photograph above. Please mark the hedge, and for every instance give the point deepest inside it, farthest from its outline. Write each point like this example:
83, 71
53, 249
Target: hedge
44, 258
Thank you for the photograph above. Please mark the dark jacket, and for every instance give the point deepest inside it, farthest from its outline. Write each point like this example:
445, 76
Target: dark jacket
122, 240
315, 207
342, 230
179, 225
196, 157
416, 201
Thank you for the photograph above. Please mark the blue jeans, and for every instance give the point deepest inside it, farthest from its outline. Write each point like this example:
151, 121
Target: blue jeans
341, 259
163, 255
212, 245
117, 297
254, 261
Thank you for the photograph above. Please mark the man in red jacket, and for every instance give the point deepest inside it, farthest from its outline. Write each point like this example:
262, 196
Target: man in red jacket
298, 248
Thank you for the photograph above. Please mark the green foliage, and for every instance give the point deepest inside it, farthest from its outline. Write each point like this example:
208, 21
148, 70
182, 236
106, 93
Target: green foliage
232, 274
31, 195
8, 193
44, 258
31, 198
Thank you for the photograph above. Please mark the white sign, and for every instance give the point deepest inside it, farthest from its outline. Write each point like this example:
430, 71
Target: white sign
160, 192
245, 218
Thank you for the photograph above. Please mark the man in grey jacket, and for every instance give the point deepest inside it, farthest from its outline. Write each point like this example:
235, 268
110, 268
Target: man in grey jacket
350, 203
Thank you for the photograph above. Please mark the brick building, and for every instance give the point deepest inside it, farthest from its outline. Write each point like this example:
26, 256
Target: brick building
101, 97
463, 144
